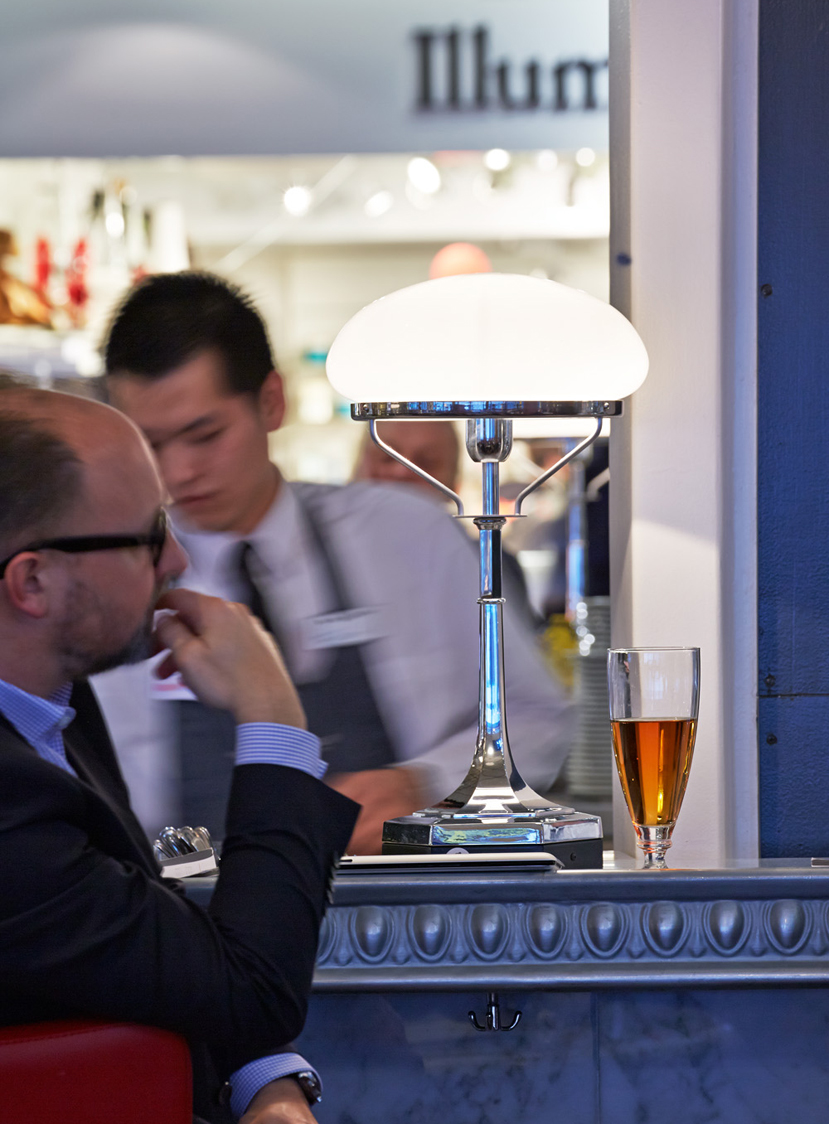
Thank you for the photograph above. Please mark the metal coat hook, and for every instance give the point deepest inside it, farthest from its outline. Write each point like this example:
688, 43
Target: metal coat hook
493, 1015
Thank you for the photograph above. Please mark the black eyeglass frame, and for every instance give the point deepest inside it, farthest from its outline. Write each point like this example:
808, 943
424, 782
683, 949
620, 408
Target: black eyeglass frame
86, 544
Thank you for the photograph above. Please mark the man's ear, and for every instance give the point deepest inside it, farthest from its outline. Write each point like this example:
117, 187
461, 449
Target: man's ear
272, 401
27, 584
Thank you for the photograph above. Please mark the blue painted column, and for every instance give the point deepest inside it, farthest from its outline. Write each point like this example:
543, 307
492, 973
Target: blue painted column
793, 420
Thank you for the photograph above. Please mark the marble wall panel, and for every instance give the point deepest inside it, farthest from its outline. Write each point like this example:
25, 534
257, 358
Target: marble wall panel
701, 1057
629, 1057
416, 1058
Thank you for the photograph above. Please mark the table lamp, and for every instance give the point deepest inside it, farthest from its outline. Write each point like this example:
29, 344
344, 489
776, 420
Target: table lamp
490, 347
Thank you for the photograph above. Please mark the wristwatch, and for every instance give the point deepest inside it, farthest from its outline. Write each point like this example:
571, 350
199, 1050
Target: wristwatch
307, 1080
309, 1083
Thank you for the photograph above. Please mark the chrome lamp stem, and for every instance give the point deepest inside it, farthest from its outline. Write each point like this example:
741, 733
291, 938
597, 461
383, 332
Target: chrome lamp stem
493, 786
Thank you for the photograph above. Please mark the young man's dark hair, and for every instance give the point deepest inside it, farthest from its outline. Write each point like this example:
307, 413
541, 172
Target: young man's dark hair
170, 318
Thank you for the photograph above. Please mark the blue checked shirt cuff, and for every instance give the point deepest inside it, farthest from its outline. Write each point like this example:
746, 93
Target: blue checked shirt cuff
247, 1081
266, 743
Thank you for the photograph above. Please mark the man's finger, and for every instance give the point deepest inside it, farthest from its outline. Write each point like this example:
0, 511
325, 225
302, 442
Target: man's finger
188, 605
172, 632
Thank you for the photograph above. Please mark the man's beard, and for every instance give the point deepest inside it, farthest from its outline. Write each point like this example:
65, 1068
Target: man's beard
139, 647
83, 657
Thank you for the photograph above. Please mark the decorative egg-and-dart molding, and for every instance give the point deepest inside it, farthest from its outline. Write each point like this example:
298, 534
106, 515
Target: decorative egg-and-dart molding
696, 936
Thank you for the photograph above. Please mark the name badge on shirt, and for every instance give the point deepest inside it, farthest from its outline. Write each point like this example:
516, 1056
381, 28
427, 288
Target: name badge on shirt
343, 629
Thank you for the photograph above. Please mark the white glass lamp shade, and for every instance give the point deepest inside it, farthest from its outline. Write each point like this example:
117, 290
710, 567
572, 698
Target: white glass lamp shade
487, 337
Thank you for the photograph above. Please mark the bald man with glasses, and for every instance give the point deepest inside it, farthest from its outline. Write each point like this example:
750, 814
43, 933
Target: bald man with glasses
87, 927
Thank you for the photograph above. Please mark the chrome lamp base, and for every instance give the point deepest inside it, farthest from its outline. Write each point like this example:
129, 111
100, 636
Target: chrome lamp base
575, 838
493, 809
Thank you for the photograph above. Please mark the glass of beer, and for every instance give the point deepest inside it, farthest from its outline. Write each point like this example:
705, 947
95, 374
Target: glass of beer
654, 702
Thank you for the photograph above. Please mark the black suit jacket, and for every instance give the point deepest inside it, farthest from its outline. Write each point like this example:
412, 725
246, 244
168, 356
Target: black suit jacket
88, 928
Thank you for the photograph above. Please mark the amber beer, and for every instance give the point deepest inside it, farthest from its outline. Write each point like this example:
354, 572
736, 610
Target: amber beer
653, 756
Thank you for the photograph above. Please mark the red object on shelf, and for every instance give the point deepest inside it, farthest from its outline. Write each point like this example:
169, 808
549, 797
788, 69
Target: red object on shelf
43, 266
77, 293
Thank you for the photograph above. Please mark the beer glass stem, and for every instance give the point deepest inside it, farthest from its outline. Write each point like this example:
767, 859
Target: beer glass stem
654, 842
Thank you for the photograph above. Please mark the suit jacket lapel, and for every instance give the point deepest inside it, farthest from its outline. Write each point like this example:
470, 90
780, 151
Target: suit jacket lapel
90, 753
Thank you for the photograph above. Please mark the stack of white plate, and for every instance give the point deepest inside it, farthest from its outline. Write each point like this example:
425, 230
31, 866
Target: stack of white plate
589, 769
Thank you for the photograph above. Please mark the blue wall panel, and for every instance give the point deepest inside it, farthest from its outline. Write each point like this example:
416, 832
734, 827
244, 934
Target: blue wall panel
793, 419
795, 793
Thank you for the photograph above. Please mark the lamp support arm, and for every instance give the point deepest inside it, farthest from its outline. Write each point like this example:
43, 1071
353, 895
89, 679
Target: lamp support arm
574, 452
378, 440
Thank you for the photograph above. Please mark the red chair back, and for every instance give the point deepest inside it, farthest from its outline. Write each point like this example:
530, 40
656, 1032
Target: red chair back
85, 1072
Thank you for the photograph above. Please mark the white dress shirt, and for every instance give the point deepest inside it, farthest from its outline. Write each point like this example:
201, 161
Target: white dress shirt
414, 572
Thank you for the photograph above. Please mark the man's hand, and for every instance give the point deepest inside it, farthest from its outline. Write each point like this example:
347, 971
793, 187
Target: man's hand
279, 1102
226, 658
384, 794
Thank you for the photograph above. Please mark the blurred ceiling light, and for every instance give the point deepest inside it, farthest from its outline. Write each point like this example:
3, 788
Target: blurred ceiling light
297, 200
546, 160
378, 204
585, 157
497, 159
423, 175
114, 223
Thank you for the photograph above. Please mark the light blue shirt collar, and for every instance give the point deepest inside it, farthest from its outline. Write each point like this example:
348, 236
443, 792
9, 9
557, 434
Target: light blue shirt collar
39, 721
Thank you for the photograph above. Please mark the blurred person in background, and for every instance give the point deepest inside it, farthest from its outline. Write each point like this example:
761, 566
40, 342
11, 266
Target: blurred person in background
459, 257
370, 590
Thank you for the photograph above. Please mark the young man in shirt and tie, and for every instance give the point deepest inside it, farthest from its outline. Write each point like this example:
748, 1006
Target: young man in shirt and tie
369, 589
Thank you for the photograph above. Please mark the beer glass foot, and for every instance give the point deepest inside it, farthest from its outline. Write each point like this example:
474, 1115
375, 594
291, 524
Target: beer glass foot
654, 843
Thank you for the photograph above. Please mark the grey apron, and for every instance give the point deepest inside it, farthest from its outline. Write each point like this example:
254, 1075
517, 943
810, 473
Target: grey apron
341, 710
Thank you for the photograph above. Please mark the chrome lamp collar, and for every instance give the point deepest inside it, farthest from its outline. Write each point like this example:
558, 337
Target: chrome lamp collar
365, 411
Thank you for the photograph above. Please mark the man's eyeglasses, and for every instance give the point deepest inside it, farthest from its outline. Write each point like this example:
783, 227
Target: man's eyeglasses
83, 544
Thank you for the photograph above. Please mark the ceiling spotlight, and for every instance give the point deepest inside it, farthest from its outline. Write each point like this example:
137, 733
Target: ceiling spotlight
377, 204
423, 175
297, 201
497, 159
546, 160
585, 157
